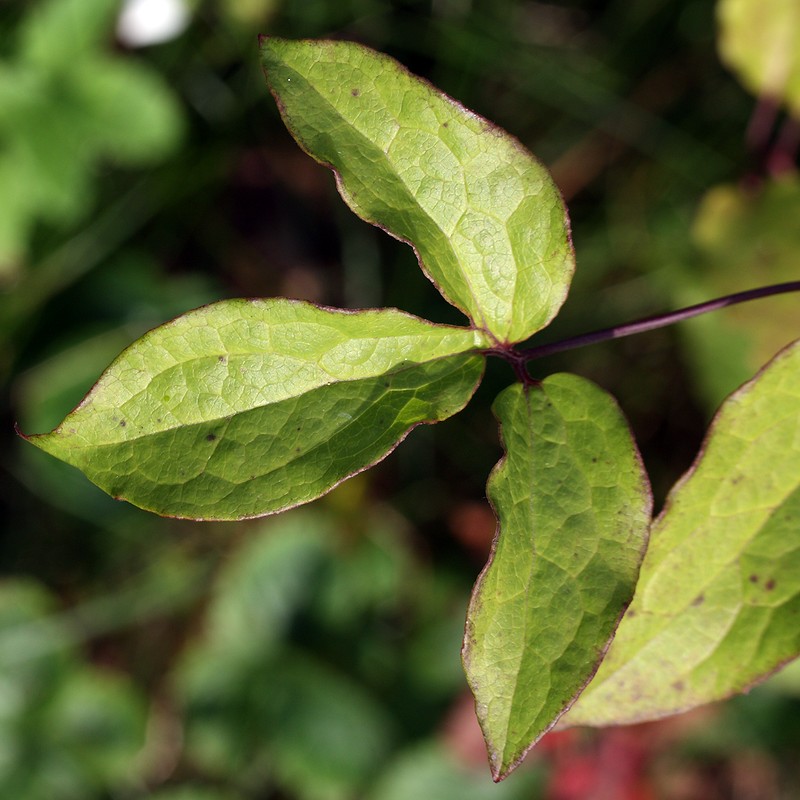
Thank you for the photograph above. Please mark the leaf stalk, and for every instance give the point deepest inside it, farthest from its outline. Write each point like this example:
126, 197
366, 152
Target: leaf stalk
648, 323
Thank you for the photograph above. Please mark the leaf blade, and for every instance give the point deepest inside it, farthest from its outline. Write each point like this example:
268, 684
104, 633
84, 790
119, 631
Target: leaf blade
547, 603
487, 224
248, 407
729, 531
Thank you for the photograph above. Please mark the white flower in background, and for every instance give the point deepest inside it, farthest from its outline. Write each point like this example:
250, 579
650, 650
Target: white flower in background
145, 22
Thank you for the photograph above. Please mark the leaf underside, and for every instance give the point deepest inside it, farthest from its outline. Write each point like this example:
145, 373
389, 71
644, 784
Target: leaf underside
718, 601
248, 407
573, 504
483, 215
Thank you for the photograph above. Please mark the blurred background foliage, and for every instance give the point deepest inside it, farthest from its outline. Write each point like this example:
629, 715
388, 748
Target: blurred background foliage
144, 171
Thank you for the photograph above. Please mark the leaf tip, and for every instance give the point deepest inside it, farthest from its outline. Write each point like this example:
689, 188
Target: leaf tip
40, 440
267, 49
503, 766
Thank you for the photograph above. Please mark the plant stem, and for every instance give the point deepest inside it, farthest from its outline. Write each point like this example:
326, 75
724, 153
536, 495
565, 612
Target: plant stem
657, 321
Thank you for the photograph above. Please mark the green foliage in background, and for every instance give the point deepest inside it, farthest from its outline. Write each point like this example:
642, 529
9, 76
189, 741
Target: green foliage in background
68, 104
67, 729
760, 39
741, 232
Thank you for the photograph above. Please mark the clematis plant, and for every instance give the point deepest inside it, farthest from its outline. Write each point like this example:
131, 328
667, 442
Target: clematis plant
249, 407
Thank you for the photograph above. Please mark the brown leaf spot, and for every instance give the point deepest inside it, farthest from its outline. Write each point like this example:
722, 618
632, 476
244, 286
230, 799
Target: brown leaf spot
699, 600
769, 585
211, 437
355, 92
754, 579
679, 686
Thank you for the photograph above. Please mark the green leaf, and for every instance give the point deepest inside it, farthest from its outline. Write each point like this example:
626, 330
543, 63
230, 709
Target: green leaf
132, 114
67, 729
248, 407
718, 601
760, 41
96, 723
48, 152
266, 582
573, 504
56, 33
484, 217
250, 698
67, 103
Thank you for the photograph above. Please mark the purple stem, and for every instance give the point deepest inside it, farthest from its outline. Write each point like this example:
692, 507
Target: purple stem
782, 158
657, 321
761, 124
